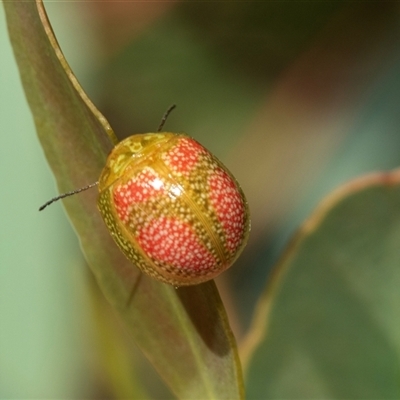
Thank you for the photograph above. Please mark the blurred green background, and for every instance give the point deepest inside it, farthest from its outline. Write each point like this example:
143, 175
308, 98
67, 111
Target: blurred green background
294, 97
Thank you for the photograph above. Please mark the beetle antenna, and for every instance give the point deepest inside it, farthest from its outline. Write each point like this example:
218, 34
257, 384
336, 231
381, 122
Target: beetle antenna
165, 116
61, 196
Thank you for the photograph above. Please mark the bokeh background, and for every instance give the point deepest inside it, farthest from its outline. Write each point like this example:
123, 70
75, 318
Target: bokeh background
294, 97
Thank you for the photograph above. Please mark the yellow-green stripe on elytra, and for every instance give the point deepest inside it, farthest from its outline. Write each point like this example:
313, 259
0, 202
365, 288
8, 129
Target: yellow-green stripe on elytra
174, 209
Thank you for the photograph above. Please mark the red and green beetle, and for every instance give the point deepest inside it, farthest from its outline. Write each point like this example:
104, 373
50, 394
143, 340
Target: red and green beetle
172, 207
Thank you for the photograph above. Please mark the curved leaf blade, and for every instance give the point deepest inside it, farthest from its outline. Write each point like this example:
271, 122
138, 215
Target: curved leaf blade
328, 324
184, 332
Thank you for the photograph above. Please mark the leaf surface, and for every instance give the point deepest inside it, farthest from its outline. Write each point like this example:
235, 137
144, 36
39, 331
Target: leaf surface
184, 332
328, 324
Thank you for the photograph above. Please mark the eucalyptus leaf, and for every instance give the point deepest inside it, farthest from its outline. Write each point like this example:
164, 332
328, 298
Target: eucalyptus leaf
328, 324
184, 332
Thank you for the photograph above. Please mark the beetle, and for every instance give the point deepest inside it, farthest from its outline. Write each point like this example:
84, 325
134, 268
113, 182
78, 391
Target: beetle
172, 207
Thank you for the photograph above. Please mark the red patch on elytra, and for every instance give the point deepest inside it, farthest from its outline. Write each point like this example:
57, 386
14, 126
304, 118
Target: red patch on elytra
228, 205
142, 187
175, 243
183, 156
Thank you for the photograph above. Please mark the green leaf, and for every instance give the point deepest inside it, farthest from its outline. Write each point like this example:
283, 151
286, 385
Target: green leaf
328, 323
184, 332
